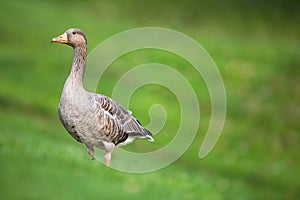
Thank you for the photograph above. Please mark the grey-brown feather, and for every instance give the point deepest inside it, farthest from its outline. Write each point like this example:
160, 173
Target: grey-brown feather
119, 123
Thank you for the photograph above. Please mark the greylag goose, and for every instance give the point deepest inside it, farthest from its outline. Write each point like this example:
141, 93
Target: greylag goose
93, 119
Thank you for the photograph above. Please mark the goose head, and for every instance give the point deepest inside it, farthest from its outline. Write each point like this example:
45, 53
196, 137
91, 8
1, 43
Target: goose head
73, 37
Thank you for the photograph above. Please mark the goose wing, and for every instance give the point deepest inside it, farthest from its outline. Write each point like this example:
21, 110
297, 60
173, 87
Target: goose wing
117, 122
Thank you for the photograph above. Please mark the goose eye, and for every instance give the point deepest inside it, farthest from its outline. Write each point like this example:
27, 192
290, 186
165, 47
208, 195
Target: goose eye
73, 33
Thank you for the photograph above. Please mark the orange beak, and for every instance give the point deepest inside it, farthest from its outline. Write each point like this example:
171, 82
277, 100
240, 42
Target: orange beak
61, 39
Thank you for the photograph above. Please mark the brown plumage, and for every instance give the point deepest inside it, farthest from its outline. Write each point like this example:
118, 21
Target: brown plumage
93, 119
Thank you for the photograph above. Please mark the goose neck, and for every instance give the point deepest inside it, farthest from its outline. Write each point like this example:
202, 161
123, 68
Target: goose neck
79, 64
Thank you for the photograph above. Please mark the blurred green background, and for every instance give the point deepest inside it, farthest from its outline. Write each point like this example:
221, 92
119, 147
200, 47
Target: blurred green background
255, 44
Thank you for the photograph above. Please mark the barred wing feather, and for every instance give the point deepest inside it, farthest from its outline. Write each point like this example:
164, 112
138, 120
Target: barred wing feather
119, 123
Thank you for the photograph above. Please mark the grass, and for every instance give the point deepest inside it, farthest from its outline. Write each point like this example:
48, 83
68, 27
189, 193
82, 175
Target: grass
40, 166
256, 47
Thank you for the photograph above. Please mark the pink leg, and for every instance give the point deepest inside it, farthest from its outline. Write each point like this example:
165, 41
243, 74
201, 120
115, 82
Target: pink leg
91, 153
107, 158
